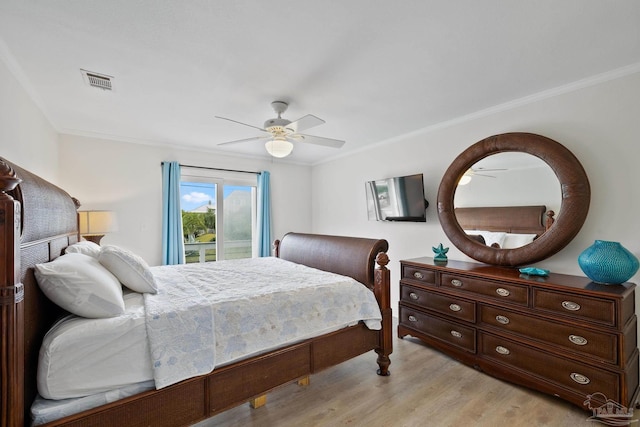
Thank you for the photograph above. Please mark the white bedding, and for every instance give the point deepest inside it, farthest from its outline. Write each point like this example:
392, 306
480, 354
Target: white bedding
257, 305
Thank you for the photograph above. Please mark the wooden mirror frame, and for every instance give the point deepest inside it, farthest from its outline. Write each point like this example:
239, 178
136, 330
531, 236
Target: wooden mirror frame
574, 185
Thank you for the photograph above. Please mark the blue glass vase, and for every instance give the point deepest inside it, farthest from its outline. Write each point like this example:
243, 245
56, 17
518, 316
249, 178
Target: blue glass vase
608, 262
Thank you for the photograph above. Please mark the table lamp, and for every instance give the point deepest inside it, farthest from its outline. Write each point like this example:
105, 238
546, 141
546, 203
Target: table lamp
95, 224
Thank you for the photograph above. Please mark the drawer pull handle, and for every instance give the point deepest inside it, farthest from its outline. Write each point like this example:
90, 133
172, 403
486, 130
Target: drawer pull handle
578, 340
454, 307
413, 318
456, 334
502, 319
570, 305
457, 283
418, 275
579, 378
503, 292
502, 350
413, 296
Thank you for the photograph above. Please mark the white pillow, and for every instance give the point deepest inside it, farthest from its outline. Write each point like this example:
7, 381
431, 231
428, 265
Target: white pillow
490, 237
80, 285
129, 268
512, 240
493, 237
84, 247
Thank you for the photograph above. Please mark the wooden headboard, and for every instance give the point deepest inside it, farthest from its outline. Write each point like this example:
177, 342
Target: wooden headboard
510, 219
37, 221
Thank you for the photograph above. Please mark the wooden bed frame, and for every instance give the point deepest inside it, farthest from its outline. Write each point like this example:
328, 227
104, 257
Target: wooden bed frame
39, 220
509, 219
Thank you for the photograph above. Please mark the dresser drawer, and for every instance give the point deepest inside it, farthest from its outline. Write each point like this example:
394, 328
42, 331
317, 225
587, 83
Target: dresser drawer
455, 307
419, 274
505, 292
448, 331
591, 343
581, 378
596, 310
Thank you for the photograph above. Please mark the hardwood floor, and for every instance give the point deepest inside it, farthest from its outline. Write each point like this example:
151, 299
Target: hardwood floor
425, 388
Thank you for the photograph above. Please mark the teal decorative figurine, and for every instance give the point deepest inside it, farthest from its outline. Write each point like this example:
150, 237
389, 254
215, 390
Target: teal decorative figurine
441, 253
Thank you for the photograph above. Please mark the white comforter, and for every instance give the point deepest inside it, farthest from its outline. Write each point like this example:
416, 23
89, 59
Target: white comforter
203, 316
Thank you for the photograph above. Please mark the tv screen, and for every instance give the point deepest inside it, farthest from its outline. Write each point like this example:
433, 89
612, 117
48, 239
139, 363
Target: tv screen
397, 199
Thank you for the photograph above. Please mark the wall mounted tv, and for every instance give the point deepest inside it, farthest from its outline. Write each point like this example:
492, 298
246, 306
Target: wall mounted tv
397, 199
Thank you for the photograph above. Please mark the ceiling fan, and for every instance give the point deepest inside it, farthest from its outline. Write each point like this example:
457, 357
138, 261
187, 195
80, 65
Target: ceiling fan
471, 172
280, 133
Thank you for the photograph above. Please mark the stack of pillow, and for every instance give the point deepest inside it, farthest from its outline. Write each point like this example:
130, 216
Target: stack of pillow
88, 279
502, 240
494, 239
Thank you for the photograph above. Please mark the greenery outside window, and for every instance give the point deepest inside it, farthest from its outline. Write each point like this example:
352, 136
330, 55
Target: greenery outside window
218, 215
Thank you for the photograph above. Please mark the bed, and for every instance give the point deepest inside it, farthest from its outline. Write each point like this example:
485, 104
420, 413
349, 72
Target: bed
38, 221
505, 227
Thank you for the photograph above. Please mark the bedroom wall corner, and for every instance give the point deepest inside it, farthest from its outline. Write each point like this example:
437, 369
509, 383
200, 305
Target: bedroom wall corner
27, 138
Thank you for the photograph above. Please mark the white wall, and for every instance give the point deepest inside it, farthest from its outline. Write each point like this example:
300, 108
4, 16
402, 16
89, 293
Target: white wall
599, 123
126, 178
26, 136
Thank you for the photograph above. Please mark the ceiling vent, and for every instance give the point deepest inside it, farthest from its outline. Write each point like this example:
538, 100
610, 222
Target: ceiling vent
101, 81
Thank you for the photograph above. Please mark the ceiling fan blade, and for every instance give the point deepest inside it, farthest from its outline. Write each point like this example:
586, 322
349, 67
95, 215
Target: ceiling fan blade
255, 138
240, 123
304, 123
318, 140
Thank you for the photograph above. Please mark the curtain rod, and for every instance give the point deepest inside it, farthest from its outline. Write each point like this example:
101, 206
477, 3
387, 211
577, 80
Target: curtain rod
217, 169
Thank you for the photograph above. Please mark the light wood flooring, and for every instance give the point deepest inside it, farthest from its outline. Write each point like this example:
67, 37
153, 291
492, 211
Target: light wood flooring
426, 388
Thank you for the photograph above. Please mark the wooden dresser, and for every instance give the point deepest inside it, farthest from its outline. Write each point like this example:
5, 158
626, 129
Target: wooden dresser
561, 334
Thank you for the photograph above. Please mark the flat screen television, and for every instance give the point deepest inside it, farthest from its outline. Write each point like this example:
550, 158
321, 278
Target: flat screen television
397, 199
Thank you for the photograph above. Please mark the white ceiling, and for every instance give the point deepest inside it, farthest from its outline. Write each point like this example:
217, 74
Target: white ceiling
372, 69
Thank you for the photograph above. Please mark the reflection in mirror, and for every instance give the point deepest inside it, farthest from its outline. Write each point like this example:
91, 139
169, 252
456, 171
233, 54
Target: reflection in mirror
508, 179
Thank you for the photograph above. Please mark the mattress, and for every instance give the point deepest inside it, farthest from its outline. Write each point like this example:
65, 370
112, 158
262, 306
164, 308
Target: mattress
81, 356
257, 304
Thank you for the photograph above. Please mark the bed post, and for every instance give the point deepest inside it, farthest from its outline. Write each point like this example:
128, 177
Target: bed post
382, 290
11, 305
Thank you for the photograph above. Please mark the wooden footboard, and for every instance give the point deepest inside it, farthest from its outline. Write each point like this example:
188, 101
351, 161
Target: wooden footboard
350, 256
38, 221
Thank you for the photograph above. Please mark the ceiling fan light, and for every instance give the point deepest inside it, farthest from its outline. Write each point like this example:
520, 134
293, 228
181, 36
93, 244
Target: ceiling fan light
466, 178
278, 147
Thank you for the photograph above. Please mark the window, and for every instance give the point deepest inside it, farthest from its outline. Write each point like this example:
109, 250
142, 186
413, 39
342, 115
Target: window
218, 214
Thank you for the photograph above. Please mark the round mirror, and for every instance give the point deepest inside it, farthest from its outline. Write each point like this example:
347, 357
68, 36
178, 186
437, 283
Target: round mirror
551, 235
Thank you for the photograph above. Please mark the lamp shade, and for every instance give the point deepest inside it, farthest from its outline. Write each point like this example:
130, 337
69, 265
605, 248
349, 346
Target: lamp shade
97, 222
279, 147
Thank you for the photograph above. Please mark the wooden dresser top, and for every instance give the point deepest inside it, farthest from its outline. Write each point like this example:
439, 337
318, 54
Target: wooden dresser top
512, 274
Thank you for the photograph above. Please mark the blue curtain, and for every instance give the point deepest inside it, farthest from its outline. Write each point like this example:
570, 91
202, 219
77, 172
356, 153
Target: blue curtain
172, 240
264, 215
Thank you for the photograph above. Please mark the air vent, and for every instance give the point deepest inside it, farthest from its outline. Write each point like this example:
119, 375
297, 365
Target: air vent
101, 81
